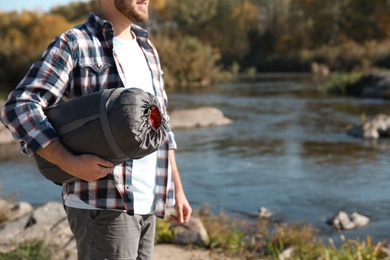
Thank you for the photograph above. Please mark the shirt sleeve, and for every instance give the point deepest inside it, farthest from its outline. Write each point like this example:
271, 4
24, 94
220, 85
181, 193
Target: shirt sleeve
43, 86
171, 137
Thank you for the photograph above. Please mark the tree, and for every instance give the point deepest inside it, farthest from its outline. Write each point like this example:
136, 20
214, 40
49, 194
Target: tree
362, 20
24, 37
76, 12
191, 16
229, 29
187, 62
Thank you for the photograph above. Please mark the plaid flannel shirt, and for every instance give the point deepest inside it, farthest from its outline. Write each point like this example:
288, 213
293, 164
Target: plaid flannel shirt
76, 63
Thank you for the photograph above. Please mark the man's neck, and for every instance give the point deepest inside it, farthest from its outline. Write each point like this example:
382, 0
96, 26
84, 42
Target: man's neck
122, 30
121, 24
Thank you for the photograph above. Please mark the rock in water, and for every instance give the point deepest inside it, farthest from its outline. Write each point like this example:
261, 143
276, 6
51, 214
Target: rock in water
359, 220
198, 117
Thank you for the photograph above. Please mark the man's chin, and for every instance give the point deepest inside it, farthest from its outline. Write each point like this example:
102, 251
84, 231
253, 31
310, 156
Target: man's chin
143, 14
139, 17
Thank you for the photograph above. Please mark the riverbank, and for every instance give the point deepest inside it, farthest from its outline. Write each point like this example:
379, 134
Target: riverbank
21, 223
23, 226
175, 252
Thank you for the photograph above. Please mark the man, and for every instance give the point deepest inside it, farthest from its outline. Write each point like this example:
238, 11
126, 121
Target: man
111, 210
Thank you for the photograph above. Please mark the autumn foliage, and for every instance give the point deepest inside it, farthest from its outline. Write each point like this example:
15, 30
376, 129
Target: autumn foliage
201, 41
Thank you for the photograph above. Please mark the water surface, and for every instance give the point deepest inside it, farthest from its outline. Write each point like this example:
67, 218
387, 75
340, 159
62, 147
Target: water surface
287, 150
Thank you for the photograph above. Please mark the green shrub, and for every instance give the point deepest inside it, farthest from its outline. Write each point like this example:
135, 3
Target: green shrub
163, 231
344, 84
302, 238
226, 235
31, 250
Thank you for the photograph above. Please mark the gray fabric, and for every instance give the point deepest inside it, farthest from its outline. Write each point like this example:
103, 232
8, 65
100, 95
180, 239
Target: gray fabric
115, 124
76, 124
108, 98
103, 234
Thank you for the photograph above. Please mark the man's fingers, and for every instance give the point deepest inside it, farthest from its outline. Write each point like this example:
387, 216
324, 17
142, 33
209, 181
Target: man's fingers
177, 216
187, 216
105, 163
180, 216
174, 218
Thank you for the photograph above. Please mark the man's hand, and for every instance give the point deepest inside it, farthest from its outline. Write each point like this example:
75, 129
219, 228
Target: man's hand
183, 209
87, 167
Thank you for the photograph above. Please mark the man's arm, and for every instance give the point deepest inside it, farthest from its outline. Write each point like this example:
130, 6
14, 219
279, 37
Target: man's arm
43, 86
87, 167
182, 205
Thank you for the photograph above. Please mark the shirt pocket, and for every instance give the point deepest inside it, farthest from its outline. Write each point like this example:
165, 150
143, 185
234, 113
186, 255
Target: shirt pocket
92, 76
93, 66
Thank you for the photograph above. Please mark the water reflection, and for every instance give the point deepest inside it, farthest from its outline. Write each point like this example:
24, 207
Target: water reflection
340, 153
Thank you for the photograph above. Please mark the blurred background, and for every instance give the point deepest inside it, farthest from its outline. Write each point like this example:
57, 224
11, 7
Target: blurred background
275, 68
209, 41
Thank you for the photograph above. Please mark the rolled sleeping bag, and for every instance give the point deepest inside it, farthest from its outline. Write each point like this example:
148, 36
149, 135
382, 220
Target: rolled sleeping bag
116, 124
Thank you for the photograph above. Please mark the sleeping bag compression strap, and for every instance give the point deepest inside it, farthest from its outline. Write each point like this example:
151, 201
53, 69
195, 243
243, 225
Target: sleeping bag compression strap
76, 124
106, 102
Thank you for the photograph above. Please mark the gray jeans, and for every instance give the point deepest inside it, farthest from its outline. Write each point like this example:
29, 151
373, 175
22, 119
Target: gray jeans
103, 234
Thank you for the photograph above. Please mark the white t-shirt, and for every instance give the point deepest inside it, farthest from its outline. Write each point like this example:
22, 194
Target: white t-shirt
137, 75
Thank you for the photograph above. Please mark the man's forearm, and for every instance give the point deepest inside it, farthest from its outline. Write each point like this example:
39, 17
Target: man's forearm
86, 167
182, 205
175, 172
56, 153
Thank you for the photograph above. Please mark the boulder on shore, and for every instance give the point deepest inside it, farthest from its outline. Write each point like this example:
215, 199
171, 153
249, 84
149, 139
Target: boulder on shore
49, 223
192, 233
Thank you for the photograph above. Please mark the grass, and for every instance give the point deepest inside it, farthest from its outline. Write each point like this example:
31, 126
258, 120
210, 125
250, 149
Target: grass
243, 239
226, 235
31, 250
261, 239
366, 249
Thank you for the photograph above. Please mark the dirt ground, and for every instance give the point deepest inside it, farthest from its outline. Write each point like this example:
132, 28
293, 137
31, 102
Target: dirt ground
174, 252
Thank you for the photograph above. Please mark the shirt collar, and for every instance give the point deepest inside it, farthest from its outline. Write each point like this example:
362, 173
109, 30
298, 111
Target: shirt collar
103, 25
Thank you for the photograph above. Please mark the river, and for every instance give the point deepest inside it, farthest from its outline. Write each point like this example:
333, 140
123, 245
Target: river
287, 150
